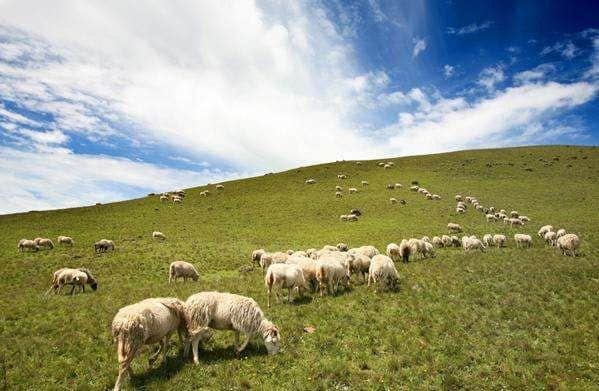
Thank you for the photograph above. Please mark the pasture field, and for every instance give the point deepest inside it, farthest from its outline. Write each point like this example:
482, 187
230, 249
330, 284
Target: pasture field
505, 319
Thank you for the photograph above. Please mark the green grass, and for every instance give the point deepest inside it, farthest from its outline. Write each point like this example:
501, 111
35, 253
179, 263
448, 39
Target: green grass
506, 319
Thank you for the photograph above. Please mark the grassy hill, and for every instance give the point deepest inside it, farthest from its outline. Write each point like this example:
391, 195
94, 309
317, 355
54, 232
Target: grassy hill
506, 319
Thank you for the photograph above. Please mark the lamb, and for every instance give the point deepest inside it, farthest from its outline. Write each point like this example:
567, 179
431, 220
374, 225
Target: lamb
74, 277
568, 244
103, 245
45, 243
550, 238
227, 311
437, 242
360, 264
393, 200
64, 240
256, 254
365, 183
158, 235
488, 240
147, 322
560, 232
393, 251
514, 221
382, 273
338, 194
182, 269
453, 227
446, 240
352, 190
544, 229
330, 273
523, 240
310, 181
499, 240
27, 244
286, 276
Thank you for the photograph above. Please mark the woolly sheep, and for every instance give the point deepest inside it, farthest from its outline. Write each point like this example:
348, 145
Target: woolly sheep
290, 252
460, 210
45, 243
328, 247
458, 197
393, 251
205, 193
365, 183
472, 243
342, 247
525, 219
256, 254
287, 276
544, 229
514, 221
74, 277
27, 244
381, 164
158, 235
499, 240
268, 259
177, 200
227, 311
348, 217
446, 240
64, 240
330, 273
514, 214
560, 232
550, 238
219, 187
382, 273
360, 265
338, 188
163, 198
393, 200
310, 181
414, 188
436, 197
417, 247
429, 250
369, 251
386, 166
456, 241
182, 269
488, 240
390, 186
338, 194
429, 196
355, 212
147, 322
468, 199
490, 217
523, 240
103, 245
425, 239
453, 227
568, 244
437, 242
352, 190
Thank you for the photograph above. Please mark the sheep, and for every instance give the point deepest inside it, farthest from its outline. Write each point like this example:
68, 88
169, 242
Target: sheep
429, 250
64, 240
268, 259
490, 217
391, 164
45, 243
74, 277
381, 164
310, 251
382, 273
348, 217
488, 240
365, 183
568, 244
560, 232
205, 193
342, 176
158, 235
360, 264
359, 163
499, 240
163, 198
352, 190
472, 243
550, 238
256, 254
393, 251
286, 276
393, 200
290, 252
514, 221
514, 214
330, 273
355, 212
328, 247
386, 166
479, 207
27, 244
437, 242
310, 181
458, 197
182, 269
456, 241
338, 194
103, 245
220, 187
429, 196
468, 199
446, 240
491, 209
453, 227
369, 251
177, 200
147, 322
462, 205
398, 185
425, 239
525, 219
523, 240
227, 311
414, 188
544, 229
342, 247
390, 186
436, 197
338, 188
460, 210
503, 212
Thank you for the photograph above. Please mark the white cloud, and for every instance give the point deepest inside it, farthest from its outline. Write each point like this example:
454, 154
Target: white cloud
469, 29
566, 49
491, 76
51, 137
534, 74
448, 70
594, 70
419, 46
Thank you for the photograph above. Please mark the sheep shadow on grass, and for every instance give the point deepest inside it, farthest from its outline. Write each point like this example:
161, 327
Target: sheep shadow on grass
217, 354
159, 371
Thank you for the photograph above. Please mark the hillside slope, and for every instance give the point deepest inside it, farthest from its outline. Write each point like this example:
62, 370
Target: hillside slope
509, 318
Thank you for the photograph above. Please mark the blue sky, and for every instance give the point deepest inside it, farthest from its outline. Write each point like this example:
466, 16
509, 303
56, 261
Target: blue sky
106, 101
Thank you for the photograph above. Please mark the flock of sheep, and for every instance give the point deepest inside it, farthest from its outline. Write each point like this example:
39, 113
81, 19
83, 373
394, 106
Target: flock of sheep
153, 321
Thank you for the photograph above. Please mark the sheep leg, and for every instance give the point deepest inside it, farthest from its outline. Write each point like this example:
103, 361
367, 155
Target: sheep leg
269, 295
153, 357
194, 344
289, 295
124, 366
244, 344
72, 289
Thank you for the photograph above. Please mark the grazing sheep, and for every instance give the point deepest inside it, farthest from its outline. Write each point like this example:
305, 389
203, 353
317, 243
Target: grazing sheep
405, 250
514, 214
453, 227
310, 251
393, 251
147, 322
429, 196
550, 238
468, 199
414, 188
352, 190
27, 244
342, 176
227, 311
268, 259
64, 240
158, 235
163, 198
568, 244
491, 209
359, 163
308, 268
499, 240
446, 240
472, 243
398, 185
348, 218
365, 183
386, 166
287, 276
182, 269
310, 181
544, 229
328, 247
515, 221
393, 200
488, 240
460, 210
525, 219
205, 193
425, 239
338, 188
462, 205
382, 273
455, 241
256, 254
503, 212
330, 273
355, 212
103, 245
381, 164
560, 232
360, 265
177, 200
45, 243
338, 194
390, 186
523, 240
490, 217
220, 187
342, 247
429, 250
436, 197
369, 251
74, 277
437, 242
458, 197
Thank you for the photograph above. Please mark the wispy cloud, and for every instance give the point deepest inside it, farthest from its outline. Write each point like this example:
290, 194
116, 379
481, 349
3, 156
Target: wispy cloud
419, 46
448, 70
491, 76
566, 49
535, 74
469, 29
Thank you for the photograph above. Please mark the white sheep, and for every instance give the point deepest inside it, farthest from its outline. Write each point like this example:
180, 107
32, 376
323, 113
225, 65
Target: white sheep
436, 197
45, 243
103, 245
163, 198
268, 259
568, 244
514, 221
429, 250
499, 240
544, 229
147, 322
27, 244
453, 227
382, 273
158, 235
393, 251
437, 242
490, 217
74, 277
414, 188
393, 200
369, 251
488, 240
365, 183
338, 188
386, 166
560, 232
550, 238
458, 197
338, 194
350, 217
64, 240
417, 247
256, 254
182, 269
526, 219
446, 240
330, 273
514, 214
310, 181
472, 243
455, 241
352, 190
287, 276
342, 247
227, 311
360, 264
177, 200
523, 240
205, 193
220, 187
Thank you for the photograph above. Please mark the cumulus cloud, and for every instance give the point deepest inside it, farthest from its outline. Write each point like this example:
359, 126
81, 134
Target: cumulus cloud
491, 76
419, 46
535, 74
469, 29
